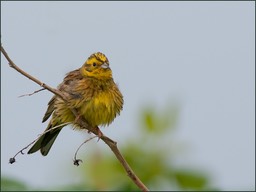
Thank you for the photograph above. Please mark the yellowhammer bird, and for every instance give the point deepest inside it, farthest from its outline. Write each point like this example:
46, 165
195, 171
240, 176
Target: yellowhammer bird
92, 91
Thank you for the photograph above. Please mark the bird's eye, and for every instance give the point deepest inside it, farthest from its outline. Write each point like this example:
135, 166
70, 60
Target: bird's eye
94, 64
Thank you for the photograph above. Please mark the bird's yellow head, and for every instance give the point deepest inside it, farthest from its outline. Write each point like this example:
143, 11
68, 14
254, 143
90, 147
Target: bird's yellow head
97, 66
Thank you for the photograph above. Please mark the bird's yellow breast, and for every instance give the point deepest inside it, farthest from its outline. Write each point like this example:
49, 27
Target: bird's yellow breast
98, 101
101, 109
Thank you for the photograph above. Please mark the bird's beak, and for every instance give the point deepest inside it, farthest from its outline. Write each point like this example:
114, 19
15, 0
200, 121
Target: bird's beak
105, 66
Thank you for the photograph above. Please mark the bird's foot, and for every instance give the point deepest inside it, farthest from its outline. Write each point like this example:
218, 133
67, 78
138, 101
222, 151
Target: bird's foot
100, 134
97, 132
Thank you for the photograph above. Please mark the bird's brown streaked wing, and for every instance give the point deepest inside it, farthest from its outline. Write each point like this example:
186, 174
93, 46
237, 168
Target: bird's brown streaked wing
50, 109
64, 86
77, 88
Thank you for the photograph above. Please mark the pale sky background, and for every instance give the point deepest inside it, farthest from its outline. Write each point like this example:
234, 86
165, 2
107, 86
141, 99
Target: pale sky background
200, 54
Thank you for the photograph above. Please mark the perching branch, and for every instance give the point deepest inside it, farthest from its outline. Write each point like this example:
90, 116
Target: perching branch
82, 122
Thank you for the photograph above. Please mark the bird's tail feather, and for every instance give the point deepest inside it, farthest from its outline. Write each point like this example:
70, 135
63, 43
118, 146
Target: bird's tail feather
44, 143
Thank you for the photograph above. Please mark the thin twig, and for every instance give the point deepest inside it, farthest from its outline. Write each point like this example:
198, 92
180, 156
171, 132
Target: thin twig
12, 65
82, 122
12, 159
76, 161
29, 94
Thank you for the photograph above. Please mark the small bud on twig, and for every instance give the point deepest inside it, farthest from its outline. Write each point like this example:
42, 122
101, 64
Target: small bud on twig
12, 160
76, 162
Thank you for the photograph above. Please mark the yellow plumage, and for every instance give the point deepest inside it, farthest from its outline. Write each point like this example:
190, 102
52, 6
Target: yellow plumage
92, 91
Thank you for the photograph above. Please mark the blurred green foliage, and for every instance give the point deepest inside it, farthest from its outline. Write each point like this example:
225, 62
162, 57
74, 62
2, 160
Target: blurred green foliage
10, 184
151, 155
